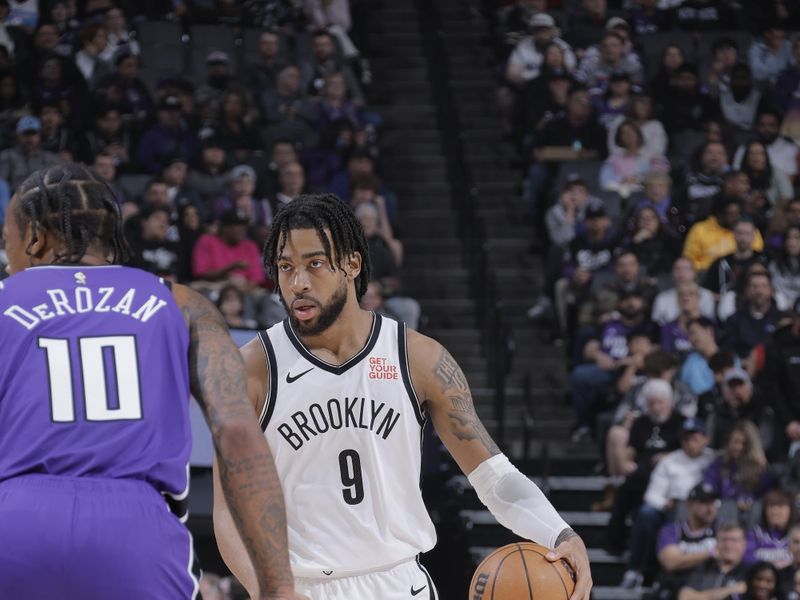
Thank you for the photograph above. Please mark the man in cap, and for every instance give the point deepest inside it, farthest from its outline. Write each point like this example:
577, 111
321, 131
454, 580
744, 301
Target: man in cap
685, 544
740, 401
673, 480
26, 157
167, 138
210, 94
590, 253
782, 379
605, 354
526, 60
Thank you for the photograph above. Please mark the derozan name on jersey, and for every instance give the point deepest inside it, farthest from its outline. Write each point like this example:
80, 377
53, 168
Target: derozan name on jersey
355, 413
84, 300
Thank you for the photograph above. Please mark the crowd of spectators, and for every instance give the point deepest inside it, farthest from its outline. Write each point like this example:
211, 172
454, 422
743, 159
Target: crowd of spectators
201, 159
658, 141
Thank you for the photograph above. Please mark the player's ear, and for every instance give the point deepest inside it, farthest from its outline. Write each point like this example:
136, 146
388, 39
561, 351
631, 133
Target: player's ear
44, 245
37, 242
353, 265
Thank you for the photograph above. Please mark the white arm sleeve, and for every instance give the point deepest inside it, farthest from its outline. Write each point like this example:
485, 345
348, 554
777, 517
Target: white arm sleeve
516, 502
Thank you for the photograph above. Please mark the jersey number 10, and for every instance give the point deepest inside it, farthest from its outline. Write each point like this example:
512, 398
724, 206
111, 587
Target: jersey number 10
121, 349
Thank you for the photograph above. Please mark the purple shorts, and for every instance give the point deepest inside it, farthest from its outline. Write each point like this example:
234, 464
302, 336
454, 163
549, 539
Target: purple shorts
93, 539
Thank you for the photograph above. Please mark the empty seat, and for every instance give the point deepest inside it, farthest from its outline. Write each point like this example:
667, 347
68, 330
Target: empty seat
588, 170
164, 57
158, 33
213, 37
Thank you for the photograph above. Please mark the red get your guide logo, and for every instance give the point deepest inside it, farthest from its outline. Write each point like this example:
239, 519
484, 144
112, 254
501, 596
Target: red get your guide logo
379, 369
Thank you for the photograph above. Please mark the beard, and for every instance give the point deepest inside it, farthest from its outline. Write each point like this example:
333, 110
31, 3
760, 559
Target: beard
630, 314
328, 314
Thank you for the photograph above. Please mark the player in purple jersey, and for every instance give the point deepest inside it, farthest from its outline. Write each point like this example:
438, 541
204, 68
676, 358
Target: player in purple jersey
98, 364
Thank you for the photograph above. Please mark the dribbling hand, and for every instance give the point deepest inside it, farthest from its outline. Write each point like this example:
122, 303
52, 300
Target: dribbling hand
574, 552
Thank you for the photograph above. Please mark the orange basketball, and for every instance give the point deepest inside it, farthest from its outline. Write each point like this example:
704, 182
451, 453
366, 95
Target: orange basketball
521, 572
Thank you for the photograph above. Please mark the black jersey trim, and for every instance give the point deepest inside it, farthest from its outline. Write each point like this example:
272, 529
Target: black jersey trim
177, 506
433, 593
405, 371
272, 373
166, 282
348, 364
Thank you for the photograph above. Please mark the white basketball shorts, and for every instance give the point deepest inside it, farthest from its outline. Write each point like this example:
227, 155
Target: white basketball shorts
406, 581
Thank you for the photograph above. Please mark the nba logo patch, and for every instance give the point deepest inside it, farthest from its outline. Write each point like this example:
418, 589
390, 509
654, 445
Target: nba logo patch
80, 278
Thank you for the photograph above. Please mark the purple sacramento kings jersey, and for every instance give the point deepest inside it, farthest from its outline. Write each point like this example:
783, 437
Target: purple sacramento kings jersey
614, 339
94, 378
767, 545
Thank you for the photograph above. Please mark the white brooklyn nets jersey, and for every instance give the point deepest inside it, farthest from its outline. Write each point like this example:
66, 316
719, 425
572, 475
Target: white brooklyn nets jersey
347, 445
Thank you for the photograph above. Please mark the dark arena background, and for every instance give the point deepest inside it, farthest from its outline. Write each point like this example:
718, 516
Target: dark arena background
592, 204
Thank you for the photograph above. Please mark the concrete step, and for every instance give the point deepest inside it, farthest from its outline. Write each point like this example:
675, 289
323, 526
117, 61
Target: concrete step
412, 260
422, 245
420, 226
484, 530
385, 64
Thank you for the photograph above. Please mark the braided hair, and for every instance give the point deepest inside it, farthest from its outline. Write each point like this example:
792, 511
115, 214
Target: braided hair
320, 212
70, 201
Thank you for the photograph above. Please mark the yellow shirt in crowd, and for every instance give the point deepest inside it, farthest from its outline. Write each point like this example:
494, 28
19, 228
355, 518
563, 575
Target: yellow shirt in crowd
708, 240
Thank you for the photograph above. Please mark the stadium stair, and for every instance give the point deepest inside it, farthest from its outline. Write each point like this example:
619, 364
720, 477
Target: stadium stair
538, 419
414, 167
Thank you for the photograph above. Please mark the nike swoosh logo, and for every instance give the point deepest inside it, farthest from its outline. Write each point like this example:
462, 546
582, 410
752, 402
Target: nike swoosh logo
326, 572
290, 379
415, 592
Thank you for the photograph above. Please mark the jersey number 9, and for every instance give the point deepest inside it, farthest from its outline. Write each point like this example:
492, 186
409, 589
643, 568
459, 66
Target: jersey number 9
350, 467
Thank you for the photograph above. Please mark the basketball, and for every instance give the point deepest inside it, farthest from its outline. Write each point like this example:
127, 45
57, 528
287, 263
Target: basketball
520, 572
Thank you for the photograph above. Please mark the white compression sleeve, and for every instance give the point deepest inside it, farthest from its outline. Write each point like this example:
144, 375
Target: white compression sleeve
516, 502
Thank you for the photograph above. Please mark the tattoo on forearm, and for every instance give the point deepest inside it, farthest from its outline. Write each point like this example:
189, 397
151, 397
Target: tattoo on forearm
565, 535
464, 422
246, 468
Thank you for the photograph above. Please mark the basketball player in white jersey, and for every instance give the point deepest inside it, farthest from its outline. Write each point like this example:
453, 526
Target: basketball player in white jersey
342, 395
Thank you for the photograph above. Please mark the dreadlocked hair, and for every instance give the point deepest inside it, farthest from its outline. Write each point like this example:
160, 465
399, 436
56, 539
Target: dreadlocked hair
320, 212
70, 201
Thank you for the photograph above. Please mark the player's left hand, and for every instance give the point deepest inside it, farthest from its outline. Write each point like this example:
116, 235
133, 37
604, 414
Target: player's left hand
574, 552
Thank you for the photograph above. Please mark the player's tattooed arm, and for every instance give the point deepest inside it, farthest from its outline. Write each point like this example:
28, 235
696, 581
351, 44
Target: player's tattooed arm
441, 383
245, 467
464, 421
565, 535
